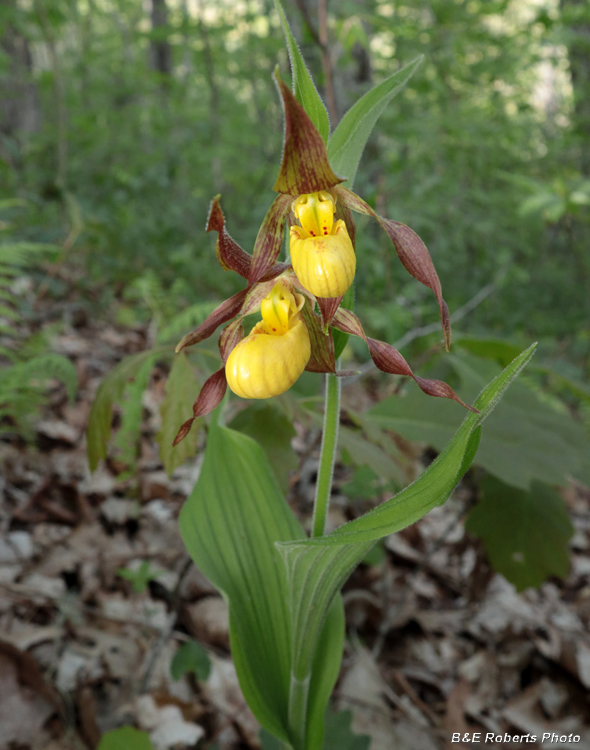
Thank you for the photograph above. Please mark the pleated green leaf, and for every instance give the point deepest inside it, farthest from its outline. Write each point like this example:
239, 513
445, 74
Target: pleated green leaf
230, 525
317, 568
303, 85
350, 137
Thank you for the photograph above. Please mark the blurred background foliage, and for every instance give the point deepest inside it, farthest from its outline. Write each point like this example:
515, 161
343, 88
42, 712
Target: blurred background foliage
121, 119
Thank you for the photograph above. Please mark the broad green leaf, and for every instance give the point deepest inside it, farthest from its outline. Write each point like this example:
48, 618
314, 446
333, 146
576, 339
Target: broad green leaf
365, 453
350, 137
365, 484
126, 738
110, 391
303, 85
268, 742
191, 657
182, 390
317, 568
273, 430
498, 349
230, 525
540, 528
375, 555
525, 439
339, 734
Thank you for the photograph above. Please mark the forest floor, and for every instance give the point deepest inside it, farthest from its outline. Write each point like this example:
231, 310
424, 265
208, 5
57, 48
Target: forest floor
437, 643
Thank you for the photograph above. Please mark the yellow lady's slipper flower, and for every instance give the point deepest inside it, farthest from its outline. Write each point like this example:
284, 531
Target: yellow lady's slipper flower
321, 251
268, 361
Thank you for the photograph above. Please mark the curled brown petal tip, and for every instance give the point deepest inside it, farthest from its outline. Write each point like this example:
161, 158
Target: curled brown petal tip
389, 360
229, 253
183, 431
211, 395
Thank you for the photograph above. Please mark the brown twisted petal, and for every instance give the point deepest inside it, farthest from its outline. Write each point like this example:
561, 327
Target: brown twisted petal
270, 238
224, 312
410, 249
229, 253
211, 395
389, 360
305, 167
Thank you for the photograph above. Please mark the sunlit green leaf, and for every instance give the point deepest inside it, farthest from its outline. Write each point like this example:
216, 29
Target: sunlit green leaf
350, 137
536, 546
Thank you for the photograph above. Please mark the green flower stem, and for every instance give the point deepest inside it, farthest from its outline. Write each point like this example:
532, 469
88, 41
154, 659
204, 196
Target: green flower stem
298, 697
327, 455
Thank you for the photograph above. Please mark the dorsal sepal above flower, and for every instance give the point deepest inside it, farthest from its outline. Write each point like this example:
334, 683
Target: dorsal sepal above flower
305, 167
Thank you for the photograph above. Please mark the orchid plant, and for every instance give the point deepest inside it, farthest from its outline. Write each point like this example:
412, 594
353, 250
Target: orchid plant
282, 588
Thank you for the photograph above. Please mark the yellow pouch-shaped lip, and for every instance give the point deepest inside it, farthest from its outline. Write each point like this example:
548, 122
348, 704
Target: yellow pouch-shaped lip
324, 265
263, 365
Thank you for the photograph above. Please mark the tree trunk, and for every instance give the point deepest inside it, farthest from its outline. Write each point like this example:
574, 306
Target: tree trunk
576, 18
19, 102
161, 52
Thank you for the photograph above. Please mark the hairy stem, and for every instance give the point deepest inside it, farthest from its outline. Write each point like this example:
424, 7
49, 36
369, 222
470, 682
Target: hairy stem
327, 455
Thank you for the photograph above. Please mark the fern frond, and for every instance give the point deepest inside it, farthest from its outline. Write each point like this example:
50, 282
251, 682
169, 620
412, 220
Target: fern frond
184, 321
